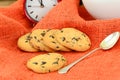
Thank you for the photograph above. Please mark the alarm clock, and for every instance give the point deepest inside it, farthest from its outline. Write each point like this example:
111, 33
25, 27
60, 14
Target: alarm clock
35, 10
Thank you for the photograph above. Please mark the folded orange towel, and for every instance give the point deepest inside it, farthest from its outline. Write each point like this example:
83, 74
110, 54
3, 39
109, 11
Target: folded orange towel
102, 65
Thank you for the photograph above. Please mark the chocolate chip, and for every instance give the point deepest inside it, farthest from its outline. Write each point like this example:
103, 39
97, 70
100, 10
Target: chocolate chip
28, 38
44, 31
35, 37
58, 59
56, 62
49, 71
83, 35
89, 44
76, 39
36, 63
43, 34
61, 31
63, 38
43, 63
38, 40
63, 59
41, 39
52, 36
53, 42
57, 47
26, 41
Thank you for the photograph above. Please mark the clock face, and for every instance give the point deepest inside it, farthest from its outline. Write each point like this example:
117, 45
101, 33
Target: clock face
37, 9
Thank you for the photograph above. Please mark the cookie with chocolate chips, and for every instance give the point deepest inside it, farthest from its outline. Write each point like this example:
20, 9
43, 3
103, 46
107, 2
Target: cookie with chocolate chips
37, 40
73, 39
46, 63
50, 40
24, 43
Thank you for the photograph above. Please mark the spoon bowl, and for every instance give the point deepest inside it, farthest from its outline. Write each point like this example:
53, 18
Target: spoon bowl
110, 41
106, 44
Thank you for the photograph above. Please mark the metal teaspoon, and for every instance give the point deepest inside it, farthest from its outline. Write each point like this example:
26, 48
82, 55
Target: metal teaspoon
106, 44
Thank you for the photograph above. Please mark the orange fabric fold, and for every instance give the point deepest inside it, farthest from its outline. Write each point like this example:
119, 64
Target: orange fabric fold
102, 65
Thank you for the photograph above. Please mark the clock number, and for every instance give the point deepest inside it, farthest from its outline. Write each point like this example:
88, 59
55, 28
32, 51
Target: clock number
54, 4
31, 12
29, 6
36, 16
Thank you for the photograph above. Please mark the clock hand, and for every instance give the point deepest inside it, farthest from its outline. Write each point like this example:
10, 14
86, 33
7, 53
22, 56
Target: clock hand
41, 3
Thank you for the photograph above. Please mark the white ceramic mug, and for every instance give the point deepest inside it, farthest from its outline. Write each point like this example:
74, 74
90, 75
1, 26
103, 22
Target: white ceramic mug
103, 9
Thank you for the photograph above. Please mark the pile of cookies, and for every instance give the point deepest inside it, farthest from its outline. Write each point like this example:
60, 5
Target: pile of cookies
65, 39
52, 40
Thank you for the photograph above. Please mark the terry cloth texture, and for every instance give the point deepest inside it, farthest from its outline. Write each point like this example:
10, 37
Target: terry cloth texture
102, 65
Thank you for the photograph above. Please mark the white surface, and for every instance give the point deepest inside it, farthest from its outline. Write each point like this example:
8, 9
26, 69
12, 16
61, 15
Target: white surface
103, 9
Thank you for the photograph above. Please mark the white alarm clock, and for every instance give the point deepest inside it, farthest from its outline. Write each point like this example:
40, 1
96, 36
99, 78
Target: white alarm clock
35, 10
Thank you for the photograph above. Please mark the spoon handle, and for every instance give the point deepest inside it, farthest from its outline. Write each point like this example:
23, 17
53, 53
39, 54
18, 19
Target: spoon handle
65, 69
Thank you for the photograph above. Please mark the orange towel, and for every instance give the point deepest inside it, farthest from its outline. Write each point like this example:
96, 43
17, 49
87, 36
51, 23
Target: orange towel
102, 65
